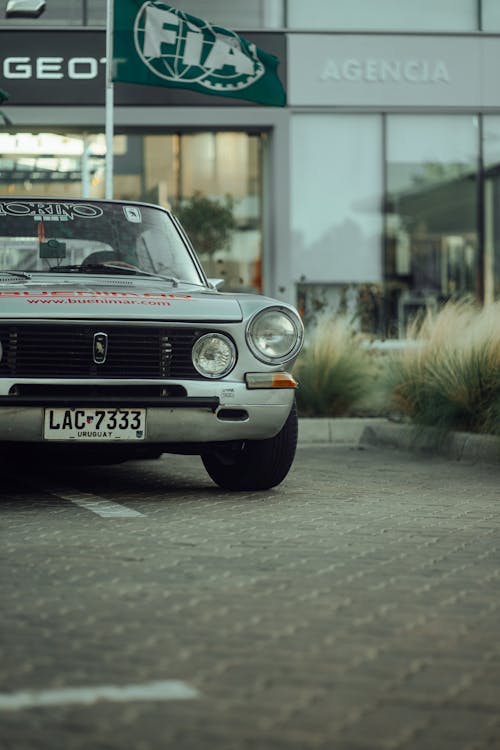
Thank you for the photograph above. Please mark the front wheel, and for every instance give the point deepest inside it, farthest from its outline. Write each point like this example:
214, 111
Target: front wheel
256, 464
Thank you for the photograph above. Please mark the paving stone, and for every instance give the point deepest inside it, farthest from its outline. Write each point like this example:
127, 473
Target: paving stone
353, 608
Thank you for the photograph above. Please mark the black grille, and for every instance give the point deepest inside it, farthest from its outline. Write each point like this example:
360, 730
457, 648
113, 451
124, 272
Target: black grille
85, 392
67, 351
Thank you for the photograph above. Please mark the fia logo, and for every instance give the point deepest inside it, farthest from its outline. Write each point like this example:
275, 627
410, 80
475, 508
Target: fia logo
177, 50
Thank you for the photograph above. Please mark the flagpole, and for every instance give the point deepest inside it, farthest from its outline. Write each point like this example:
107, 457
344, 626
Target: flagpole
109, 99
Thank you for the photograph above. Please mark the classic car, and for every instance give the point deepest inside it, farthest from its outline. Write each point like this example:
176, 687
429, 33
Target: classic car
115, 345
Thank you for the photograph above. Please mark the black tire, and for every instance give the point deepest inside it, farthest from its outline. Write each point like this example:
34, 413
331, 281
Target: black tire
256, 464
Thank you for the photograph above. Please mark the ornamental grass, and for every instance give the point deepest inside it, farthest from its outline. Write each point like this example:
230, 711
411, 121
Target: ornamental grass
448, 375
335, 370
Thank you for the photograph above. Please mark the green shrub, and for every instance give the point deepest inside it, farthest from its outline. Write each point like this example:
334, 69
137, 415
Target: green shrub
448, 376
209, 223
335, 370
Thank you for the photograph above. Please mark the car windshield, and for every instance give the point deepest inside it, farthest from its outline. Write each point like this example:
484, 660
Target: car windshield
55, 236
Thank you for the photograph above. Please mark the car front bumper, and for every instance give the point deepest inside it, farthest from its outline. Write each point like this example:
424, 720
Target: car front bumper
211, 412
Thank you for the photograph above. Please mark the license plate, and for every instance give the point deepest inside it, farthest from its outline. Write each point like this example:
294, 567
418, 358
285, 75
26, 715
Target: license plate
94, 424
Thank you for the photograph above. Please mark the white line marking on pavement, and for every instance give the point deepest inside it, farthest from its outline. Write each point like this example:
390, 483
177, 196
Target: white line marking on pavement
163, 690
103, 508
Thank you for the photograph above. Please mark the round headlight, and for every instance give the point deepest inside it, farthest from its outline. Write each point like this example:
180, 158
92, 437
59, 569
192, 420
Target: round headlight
275, 335
214, 355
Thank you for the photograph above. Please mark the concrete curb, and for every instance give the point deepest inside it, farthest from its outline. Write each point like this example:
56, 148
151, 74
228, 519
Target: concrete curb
341, 430
380, 432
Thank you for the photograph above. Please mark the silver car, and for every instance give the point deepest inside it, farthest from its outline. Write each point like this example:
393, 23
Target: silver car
114, 345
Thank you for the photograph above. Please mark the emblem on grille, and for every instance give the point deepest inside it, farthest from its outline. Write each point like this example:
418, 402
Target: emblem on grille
100, 348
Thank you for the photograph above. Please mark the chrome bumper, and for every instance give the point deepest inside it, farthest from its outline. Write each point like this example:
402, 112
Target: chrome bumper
211, 412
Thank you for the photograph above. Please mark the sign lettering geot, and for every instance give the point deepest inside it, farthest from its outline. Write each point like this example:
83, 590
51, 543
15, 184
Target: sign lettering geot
51, 68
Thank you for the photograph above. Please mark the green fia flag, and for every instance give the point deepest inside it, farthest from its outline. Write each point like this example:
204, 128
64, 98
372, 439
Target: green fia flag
3, 98
158, 45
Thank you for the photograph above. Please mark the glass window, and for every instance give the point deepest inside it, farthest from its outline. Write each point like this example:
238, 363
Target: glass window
216, 175
491, 140
48, 236
384, 15
96, 12
52, 164
431, 251
490, 15
491, 156
237, 14
336, 181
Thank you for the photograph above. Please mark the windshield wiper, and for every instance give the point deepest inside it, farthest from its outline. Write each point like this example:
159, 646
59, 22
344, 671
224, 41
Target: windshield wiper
18, 274
89, 268
111, 267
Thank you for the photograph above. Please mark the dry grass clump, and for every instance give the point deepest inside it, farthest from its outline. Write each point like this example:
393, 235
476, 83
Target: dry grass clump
449, 375
335, 370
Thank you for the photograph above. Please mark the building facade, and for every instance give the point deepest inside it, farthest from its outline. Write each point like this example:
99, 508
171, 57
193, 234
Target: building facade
374, 192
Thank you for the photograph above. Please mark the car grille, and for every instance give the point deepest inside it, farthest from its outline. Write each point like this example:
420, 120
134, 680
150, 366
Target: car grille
67, 351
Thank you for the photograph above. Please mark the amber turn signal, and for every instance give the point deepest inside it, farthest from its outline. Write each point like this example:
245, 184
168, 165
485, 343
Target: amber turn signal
270, 380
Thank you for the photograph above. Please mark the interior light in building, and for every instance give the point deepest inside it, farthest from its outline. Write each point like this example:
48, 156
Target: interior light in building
41, 144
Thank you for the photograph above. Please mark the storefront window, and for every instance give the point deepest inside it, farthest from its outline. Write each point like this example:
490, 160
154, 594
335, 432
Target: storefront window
213, 178
336, 182
96, 12
213, 174
431, 251
238, 14
389, 15
491, 156
33, 164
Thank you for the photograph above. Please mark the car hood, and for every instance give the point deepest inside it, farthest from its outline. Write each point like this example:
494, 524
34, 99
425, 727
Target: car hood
113, 298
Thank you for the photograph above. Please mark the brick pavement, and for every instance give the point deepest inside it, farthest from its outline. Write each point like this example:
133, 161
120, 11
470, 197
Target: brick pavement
354, 608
